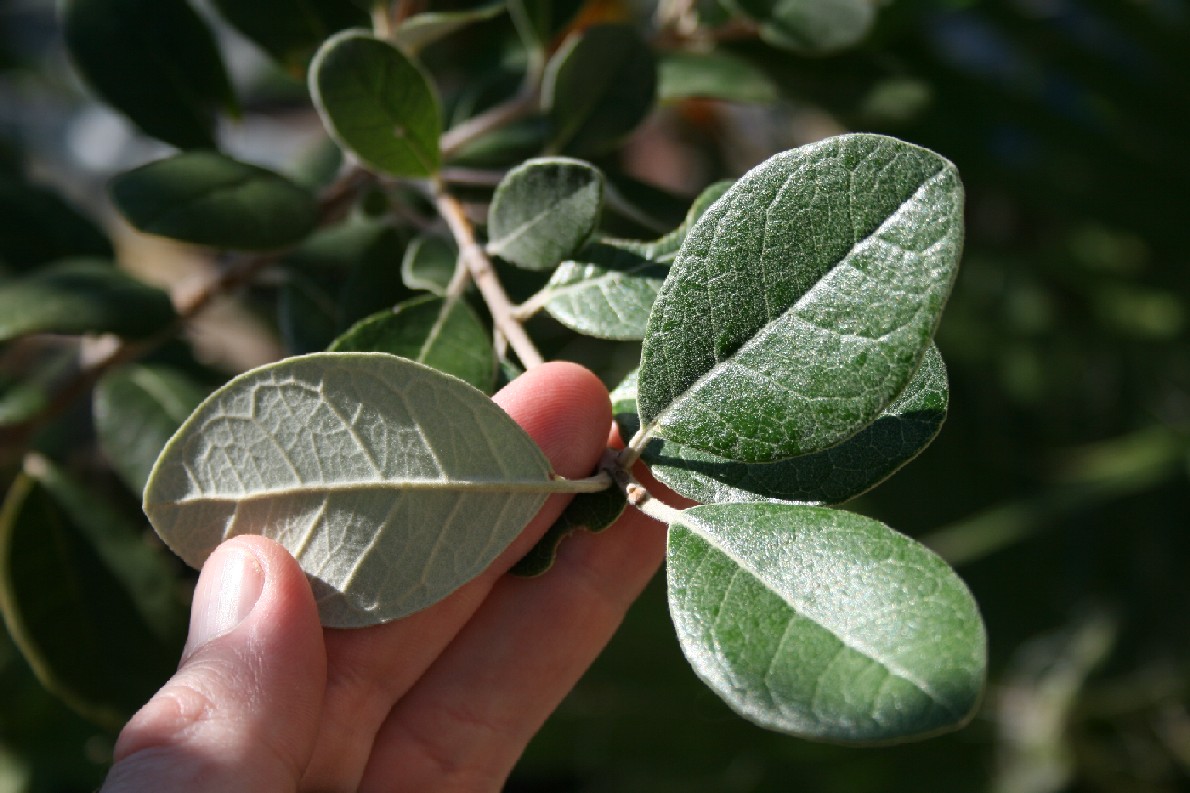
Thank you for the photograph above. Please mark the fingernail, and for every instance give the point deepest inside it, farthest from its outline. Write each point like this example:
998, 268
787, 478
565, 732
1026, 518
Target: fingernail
228, 587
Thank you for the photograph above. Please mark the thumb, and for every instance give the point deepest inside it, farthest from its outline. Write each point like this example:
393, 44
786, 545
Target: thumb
241, 713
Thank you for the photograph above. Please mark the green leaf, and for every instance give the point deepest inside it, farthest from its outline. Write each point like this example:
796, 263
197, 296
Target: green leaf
802, 302
712, 75
137, 408
538, 21
598, 87
208, 199
307, 314
427, 27
441, 332
155, 61
391, 483
606, 292
107, 633
824, 624
665, 248
591, 511
81, 296
831, 476
291, 30
543, 211
429, 263
40, 227
809, 26
377, 103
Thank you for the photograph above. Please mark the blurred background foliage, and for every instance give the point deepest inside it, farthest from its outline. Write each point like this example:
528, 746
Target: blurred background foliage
1058, 486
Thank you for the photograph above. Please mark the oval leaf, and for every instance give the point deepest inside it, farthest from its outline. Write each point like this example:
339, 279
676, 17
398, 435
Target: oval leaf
802, 302
712, 75
598, 87
543, 211
824, 624
392, 484
82, 296
427, 27
40, 227
291, 30
208, 199
607, 292
809, 26
832, 476
155, 61
665, 248
429, 263
443, 333
377, 103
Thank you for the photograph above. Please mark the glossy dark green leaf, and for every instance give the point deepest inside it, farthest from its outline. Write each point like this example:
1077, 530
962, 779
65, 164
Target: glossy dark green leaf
429, 263
291, 30
606, 292
429, 26
81, 296
803, 301
207, 199
93, 608
377, 103
809, 26
831, 476
591, 511
155, 61
598, 87
543, 211
538, 21
441, 332
137, 408
40, 227
712, 75
824, 624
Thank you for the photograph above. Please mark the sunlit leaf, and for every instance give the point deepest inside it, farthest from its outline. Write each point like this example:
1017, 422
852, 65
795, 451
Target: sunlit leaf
824, 624
606, 291
543, 211
809, 26
803, 301
441, 332
208, 199
712, 75
377, 103
154, 61
291, 30
391, 483
81, 296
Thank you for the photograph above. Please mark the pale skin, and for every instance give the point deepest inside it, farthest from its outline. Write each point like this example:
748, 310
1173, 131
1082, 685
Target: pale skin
445, 700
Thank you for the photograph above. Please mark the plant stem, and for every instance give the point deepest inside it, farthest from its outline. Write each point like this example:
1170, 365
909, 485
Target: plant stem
636, 493
485, 278
520, 106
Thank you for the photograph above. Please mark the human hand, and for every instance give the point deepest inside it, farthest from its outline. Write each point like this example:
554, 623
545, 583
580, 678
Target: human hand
265, 699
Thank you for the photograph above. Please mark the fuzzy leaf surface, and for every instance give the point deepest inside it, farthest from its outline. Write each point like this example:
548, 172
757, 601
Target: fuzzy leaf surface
392, 484
291, 30
441, 332
824, 624
809, 26
208, 199
81, 296
831, 476
543, 211
607, 291
377, 103
802, 302
155, 61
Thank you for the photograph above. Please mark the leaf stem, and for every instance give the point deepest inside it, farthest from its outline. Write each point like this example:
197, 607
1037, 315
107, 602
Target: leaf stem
637, 494
485, 277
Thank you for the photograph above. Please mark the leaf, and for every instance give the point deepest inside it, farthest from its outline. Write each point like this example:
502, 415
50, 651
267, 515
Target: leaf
598, 87
307, 314
712, 75
809, 26
81, 296
538, 21
665, 248
207, 199
591, 511
543, 211
442, 333
291, 30
429, 263
107, 633
607, 292
831, 476
40, 227
392, 484
137, 408
802, 302
155, 61
427, 27
377, 103
824, 624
